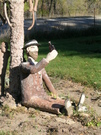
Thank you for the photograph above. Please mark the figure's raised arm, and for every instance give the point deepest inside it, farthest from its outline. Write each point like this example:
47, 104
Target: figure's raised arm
32, 69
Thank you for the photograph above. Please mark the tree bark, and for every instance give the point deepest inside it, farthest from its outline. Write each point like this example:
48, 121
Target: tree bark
16, 43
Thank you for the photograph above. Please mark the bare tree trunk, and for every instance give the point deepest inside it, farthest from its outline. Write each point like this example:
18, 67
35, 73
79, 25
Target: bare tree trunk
16, 43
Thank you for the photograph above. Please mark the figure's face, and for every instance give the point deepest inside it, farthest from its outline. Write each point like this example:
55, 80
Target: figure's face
33, 52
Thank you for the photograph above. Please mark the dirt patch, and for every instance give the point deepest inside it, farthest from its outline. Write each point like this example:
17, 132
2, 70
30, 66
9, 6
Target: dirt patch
28, 121
73, 90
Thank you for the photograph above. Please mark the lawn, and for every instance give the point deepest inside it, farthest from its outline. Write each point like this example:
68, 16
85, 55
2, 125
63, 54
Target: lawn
78, 60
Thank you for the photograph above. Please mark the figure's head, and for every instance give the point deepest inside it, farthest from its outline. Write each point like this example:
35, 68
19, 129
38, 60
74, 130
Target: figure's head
32, 49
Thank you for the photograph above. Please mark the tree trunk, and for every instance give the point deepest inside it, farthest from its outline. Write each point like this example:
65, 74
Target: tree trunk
16, 43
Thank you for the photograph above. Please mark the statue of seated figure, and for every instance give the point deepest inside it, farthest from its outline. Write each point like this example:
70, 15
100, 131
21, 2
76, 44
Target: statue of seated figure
32, 76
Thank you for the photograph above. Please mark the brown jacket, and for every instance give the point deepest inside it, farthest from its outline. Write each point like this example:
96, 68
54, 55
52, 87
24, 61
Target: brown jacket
32, 77
33, 93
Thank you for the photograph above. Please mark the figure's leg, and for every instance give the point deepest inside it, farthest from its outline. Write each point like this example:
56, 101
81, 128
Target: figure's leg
80, 106
68, 107
48, 105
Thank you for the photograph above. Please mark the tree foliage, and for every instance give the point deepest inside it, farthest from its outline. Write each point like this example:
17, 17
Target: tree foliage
56, 8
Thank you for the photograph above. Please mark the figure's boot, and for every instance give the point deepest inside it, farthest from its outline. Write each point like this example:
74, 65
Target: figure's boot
80, 104
68, 107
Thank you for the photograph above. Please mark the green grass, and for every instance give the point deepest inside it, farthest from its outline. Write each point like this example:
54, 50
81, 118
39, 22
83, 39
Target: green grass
79, 55
78, 60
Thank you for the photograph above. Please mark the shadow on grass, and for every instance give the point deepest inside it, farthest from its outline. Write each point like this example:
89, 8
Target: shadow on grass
70, 41
82, 46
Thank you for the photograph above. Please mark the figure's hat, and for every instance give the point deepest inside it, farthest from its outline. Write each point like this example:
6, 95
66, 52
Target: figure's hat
31, 43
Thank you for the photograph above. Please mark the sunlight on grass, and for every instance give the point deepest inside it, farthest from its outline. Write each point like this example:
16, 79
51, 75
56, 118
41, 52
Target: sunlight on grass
76, 61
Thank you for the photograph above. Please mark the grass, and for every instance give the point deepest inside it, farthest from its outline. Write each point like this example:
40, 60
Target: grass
78, 60
79, 54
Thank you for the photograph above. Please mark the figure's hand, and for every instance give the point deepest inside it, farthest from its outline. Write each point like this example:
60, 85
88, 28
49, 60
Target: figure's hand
52, 55
51, 47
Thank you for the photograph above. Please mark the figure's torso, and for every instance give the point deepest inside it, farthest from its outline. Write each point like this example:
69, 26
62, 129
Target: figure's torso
32, 84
